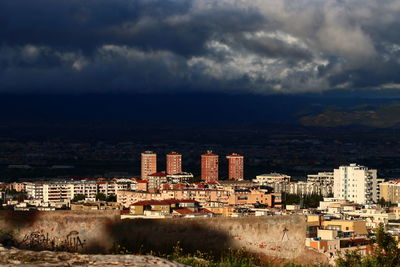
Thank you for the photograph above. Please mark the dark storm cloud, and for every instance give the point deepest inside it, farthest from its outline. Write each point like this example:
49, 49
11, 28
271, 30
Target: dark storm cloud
148, 25
261, 46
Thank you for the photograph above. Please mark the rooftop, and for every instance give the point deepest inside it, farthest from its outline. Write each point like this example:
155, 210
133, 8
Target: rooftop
274, 174
173, 153
158, 174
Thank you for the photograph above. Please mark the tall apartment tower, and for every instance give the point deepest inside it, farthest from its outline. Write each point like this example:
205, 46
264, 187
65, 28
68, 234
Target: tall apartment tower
149, 164
355, 183
209, 167
235, 166
174, 163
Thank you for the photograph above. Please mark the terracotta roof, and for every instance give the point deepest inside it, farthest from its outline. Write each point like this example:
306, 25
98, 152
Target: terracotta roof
205, 211
171, 201
150, 202
177, 186
188, 201
185, 211
162, 202
165, 186
159, 174
177, 201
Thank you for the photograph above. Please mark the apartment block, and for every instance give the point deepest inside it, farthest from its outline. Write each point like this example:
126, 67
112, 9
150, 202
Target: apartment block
148, 164
204, 196
155, 180
235, 167
209, 167
355, 183
390, 191
271, 178
322, 178
56, 191
302, 188
182, 177
174, 163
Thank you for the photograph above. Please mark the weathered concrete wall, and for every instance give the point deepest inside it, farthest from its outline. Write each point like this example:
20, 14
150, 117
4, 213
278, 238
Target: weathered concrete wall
277, 236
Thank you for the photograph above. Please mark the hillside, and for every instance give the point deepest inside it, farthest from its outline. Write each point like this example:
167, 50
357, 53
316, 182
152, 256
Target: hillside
382, 116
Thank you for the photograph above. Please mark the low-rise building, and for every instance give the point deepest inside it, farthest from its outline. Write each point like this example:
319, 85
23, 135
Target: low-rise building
155, 180
95, 205
168, 208
351, 226
205, 195
263, 179
178, 178
301, 188
322, 178
390, 191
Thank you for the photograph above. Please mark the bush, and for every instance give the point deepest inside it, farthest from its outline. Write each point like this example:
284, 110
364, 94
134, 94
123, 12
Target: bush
7, 238
78, 197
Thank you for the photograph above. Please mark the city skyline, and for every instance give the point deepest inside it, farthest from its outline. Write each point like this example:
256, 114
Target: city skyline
209, 165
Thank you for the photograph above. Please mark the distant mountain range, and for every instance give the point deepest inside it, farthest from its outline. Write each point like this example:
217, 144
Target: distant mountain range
381, 116
209, 109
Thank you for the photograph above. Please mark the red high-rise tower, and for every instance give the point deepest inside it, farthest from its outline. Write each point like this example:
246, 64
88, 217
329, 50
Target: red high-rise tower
235, 166
149, 164
174, 163
209, 167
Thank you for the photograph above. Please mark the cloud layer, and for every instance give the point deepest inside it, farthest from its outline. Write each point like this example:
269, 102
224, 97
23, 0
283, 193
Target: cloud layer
258, 46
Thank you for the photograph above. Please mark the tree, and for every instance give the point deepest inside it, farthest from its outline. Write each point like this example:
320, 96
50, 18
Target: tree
384, 203
101, 197
309, 201
111, 198
385, 253
350, 258
78, 197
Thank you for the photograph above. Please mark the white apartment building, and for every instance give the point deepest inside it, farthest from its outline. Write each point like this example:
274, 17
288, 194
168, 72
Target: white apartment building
86, 188
34, 190
178, 178
322, 178
156, 180
302, 188
271, 178
355, 183
56, 191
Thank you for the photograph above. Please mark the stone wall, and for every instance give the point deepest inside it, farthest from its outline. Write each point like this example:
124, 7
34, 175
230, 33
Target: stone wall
60, 230
99, 231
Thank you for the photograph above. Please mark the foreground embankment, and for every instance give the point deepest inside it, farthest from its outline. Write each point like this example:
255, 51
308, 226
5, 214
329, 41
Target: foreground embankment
103, 232
15, 257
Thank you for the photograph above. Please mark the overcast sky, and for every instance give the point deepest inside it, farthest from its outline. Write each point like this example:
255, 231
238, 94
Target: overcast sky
253, 46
